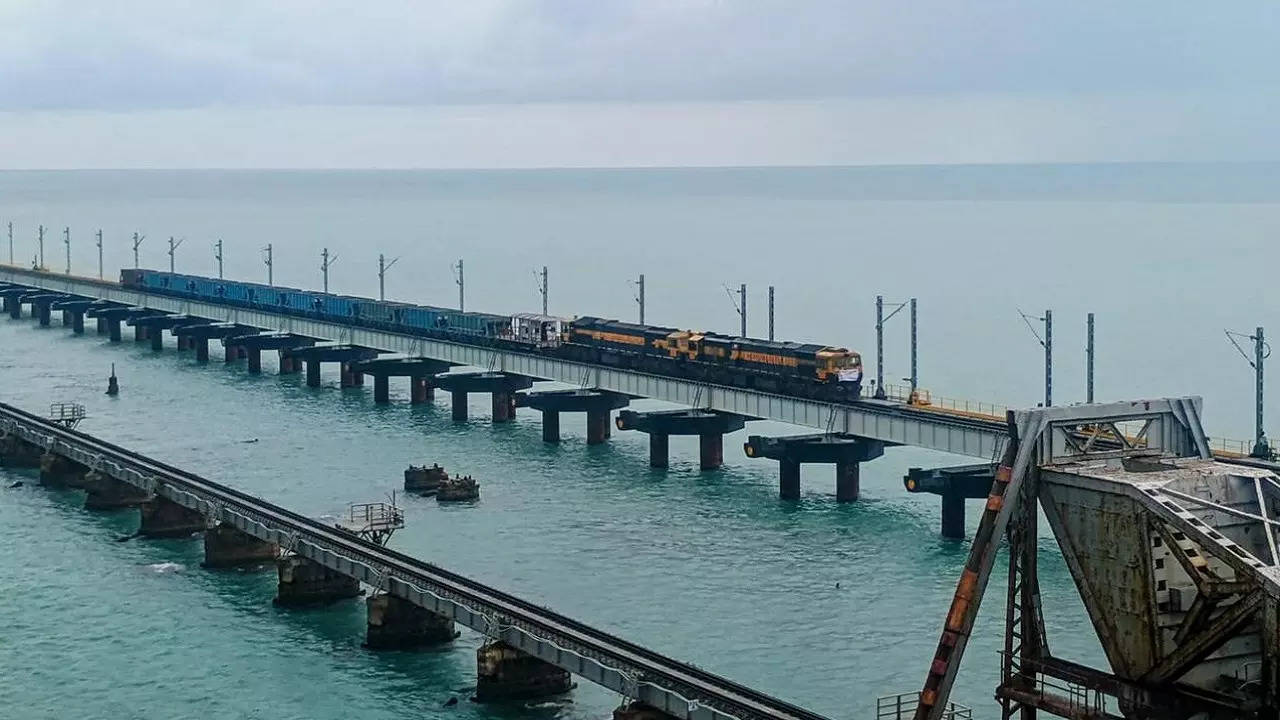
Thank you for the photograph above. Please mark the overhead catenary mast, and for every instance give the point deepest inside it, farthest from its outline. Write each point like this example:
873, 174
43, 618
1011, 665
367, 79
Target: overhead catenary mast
268, 260
326, 261
66, 240
640, 296
172, 247
383, 267
137, 242
100, 269
218, 255
460, 279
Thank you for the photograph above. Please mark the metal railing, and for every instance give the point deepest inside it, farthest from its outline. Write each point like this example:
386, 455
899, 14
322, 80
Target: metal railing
1075, 696
903, 707
374, 516
67, 413
928, 401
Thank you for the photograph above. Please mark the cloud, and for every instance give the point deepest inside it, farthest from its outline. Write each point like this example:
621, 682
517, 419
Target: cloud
136, 54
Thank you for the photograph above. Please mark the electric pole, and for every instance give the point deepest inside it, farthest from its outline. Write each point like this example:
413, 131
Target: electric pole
218, 255
462, 290
542, 289
66, 240
326, 260
41, 249
173, 246
1261, 351
100, 275
383, 267
1088, 357
10, 242
770, 313
640, 296
1047, 343
268, 261
137, 241
915, 372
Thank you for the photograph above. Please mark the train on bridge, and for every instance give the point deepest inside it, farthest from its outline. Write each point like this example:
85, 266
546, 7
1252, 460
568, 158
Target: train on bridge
820, 372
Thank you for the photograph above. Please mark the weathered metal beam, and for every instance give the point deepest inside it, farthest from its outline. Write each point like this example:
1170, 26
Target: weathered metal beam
1193, 650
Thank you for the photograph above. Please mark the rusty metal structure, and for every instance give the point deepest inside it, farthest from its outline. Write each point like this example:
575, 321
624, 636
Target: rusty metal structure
1174, 554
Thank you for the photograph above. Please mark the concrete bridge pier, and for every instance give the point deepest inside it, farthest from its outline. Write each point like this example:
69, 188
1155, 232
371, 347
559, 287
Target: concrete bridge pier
344, 355
110, 316
58, 471
156, 335
347, 378
230, 354
397, 624
226, 546
139, 333
66, 318
18, 453
201, 345
163, 518
77, 321
597, 404
313, 373
113, 329
500, 385
418, 370
709, 425
254, 356
103, 492
184, 342
100, 326
381, 389
421, 390
303, 582
954, 485
505, 673
845, 451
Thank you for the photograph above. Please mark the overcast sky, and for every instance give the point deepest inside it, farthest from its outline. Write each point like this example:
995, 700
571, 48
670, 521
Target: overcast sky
484, 83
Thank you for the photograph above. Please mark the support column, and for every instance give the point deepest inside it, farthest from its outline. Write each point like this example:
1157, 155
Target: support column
225, 546
597, 426
202, 349
15, 453
459, 404
163, 518
953, 515
42, 312
710, 451
230, 354
788, 480
139, 333
504, 407
397, 624
254, 355
346, 378
313, 373
381, 389
113, 330
848, 475
58, 471
659, 449
550, 426
77, 323
242, 352
66, 318
289, 364
184, 342
420, 390
505, 673
157, 339
13, 307
303, 582
106, 493
100, 324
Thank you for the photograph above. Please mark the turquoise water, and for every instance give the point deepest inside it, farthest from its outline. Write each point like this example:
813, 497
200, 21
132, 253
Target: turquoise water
708, 567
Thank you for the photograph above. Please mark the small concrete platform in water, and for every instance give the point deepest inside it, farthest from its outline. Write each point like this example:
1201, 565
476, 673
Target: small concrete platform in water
845, 451
502, 386
420, 371
709, 425
597, 404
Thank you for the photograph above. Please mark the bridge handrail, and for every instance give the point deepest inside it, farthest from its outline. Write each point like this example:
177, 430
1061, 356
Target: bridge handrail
926, 400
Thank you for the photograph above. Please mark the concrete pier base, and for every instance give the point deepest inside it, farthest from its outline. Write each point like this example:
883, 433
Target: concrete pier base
421, 390
659, 449
504, 407
303, 582
598, 426
459, 398
163, 518
225, 546
710, 451
113, 330
639, 711
42, 313
397, 624
184, 342
58, 471
381, 389
107, 493
230, 354
953, 515
347, 378
788, 480
77, 323
201, 345
139, 333
157, 339
15, 453
313, 373
550, 426
505, 673
66, 319
254, 356
289, 364
847, 480
100, 325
